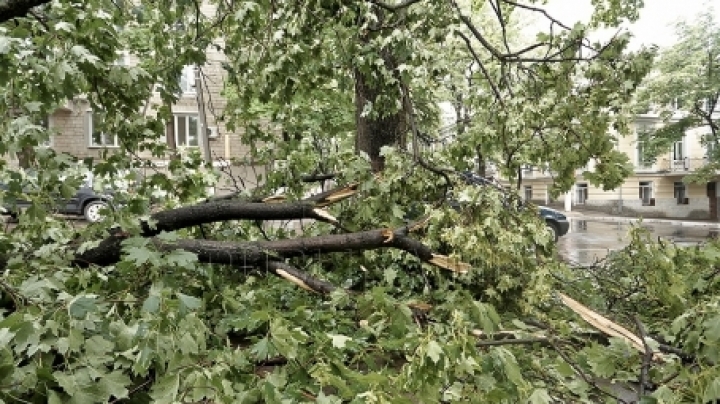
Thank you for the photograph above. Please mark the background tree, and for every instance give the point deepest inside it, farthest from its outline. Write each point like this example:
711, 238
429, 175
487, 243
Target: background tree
684, 90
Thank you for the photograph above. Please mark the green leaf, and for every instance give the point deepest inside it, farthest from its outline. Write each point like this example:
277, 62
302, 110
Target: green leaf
323, 399
139, 255
189, 302
263, 349
182, 259
712, 328
165, 390
390, 275
151, 304
97, 345
540, 396
5, 336
434, 351
80, 306
339, 341
4, 44
712, 391
115, 385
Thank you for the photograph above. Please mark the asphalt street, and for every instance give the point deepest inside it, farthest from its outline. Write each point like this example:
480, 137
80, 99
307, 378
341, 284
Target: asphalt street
589, 240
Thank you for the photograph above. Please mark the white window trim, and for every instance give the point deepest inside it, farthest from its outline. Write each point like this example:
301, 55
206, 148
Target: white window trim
185, 115
91, 145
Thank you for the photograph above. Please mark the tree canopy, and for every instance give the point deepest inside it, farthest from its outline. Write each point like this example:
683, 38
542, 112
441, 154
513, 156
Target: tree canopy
384, 293
684, 90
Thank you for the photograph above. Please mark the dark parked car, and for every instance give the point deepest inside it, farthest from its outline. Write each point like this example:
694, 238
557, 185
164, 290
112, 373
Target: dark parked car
555, 221
86, 202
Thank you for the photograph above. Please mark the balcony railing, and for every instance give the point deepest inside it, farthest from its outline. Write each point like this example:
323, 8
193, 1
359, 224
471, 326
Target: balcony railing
536, 172
686, 164
672, 165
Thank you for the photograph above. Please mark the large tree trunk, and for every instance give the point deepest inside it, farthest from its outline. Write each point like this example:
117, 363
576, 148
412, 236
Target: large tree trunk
375, 132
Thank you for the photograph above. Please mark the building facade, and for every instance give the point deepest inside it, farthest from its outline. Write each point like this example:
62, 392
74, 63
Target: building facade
74, 125
657, 187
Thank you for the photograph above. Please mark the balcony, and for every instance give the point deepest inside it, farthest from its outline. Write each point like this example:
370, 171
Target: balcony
685, 165
530, 172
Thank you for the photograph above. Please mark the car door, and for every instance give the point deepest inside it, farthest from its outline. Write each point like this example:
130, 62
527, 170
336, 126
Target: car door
73, 205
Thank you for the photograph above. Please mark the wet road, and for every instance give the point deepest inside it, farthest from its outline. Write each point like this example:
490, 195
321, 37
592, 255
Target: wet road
588, 240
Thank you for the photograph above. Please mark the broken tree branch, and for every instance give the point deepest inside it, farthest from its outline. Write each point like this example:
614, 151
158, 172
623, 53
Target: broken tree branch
261, 253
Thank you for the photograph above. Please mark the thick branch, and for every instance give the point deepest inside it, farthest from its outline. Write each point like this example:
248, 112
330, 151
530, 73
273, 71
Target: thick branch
261, 254
258, 253
219, 211
10, 9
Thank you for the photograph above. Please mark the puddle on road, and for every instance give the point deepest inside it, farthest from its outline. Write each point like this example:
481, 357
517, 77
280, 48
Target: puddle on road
589, 241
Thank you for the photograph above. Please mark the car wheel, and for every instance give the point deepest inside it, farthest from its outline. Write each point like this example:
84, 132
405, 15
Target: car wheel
554, 230
92, 211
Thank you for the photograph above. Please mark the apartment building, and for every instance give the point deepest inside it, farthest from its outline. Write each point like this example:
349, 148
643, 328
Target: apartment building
74, 125
655, 189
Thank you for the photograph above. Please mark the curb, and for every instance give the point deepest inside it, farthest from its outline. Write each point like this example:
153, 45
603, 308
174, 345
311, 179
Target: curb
649, 220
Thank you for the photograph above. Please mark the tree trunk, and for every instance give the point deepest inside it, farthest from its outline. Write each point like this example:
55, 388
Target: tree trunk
377, 131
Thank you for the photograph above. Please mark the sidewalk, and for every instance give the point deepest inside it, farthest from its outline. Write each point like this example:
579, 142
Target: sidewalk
596, 216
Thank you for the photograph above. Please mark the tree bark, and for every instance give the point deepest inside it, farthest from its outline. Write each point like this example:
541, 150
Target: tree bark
387, 129
261, 254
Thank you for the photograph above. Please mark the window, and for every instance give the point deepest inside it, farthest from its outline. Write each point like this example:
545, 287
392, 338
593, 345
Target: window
187, 80
678, 155
710, 147
678, 151
644, 158
681, 193
528, 192
678, 104
186, 130
646, 191
99, 138
581, 193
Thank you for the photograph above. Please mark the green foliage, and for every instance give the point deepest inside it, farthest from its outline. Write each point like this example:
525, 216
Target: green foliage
684, 91
160, 326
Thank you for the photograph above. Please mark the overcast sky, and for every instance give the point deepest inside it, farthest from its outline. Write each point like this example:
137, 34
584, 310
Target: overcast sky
656, 18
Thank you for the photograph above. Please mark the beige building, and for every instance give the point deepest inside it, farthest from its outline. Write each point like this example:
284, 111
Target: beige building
655, 189
74, 124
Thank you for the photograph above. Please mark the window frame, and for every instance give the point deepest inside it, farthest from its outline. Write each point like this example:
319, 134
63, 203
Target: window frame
528, 192
188, 75
646, 186
581, 188
680, 197
186, 116
91, 135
